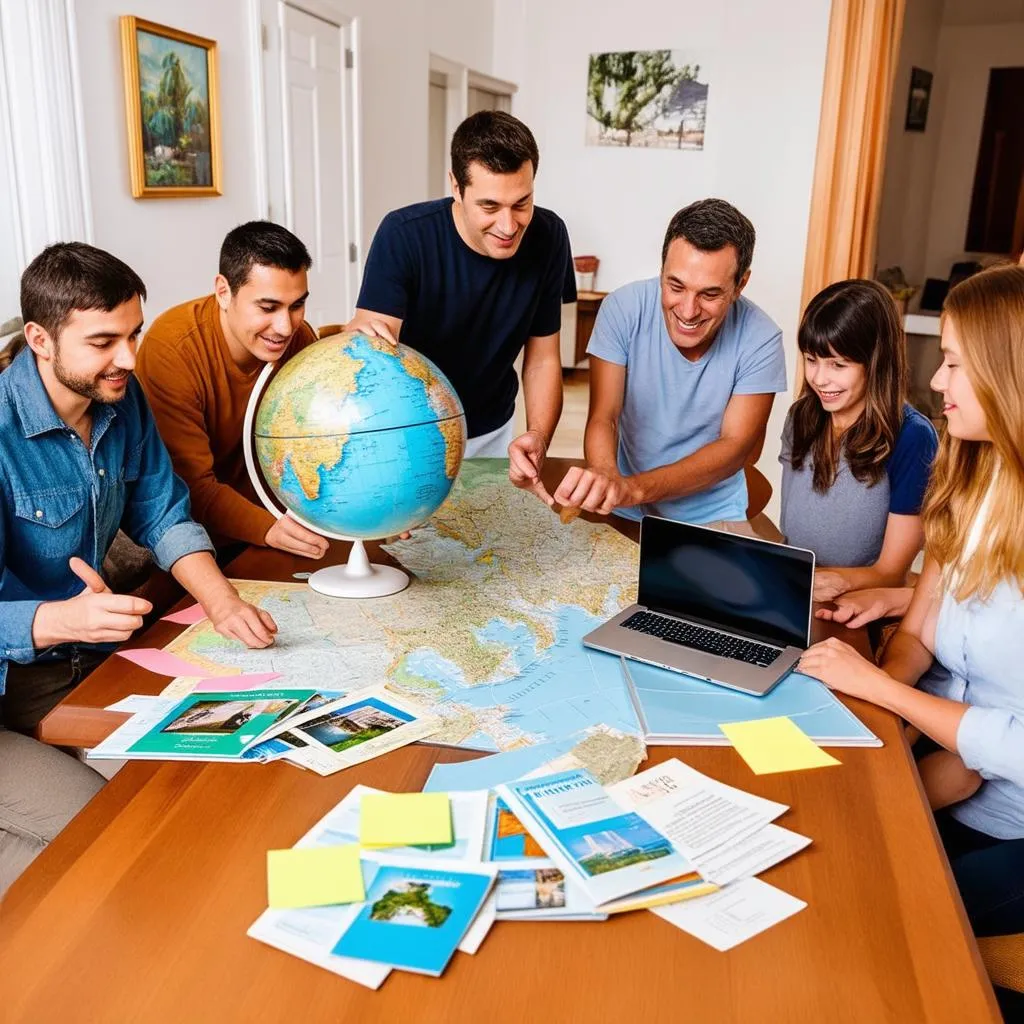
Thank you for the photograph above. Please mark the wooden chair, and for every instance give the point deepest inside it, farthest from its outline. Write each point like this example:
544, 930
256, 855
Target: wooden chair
1003, 956
759, 491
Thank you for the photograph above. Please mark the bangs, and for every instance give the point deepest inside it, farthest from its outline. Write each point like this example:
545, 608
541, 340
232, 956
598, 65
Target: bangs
815, 340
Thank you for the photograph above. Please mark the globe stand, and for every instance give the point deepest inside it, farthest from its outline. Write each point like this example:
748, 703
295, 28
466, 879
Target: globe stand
359, 577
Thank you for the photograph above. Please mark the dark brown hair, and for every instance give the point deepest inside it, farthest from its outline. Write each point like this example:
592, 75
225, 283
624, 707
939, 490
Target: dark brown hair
262, 243
711, 225
72, 275
857, 321
499, 141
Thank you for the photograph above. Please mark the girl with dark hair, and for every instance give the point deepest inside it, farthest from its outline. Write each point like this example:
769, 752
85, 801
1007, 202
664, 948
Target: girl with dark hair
855, 455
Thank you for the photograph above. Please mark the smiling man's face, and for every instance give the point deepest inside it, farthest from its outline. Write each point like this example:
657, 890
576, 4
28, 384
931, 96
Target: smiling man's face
494, 211
697, 289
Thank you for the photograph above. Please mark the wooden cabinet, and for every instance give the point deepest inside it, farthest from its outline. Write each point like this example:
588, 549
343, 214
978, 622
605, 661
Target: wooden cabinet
587, 305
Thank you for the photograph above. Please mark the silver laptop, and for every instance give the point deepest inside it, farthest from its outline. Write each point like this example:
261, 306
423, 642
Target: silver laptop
729, 609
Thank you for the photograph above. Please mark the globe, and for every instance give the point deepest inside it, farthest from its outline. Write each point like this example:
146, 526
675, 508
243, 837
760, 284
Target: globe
357, 439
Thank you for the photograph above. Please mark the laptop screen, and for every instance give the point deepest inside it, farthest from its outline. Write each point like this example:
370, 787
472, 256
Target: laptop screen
749, 586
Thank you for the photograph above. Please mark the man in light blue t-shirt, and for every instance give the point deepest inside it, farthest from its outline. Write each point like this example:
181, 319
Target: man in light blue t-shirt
683, 373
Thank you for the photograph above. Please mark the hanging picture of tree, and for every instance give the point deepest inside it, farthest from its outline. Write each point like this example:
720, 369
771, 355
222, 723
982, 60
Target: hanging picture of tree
645, 99
170, 81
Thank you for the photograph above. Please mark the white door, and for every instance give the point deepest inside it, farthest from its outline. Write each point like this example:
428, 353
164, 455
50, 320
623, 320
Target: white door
309, 93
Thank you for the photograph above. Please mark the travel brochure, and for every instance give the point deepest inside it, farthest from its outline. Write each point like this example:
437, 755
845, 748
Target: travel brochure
533, 888
610, 851
416, 914
314, 729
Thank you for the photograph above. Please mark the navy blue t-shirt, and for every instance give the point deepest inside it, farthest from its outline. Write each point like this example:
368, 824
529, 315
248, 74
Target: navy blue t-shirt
471, 314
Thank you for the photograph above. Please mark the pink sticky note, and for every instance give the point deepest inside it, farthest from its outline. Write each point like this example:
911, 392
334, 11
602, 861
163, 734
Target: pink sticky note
187, 616
225, 684
161, 662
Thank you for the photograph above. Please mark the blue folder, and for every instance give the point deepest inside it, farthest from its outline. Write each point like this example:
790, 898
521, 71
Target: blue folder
674, 708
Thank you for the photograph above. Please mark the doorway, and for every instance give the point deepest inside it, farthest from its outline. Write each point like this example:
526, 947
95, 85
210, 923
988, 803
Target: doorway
309, 89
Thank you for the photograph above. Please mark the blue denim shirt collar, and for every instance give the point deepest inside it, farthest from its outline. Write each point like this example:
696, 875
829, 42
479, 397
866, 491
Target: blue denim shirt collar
35, 410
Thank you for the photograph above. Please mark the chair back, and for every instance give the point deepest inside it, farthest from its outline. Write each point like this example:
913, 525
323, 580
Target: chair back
759, 491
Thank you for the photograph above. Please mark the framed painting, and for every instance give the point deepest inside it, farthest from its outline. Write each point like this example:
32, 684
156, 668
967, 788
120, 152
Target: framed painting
918, 99
170, 86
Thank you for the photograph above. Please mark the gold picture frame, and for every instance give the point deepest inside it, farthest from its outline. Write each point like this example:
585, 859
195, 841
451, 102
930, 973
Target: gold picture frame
172, 110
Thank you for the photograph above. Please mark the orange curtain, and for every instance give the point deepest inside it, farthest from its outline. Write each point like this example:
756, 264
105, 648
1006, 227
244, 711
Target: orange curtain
863, 46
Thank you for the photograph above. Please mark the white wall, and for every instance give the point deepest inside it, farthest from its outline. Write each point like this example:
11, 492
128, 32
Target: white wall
966, 55
765, 65
910, 156
173, 243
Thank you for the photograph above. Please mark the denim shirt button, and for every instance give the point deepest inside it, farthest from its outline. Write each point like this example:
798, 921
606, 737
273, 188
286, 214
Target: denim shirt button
101, 472
39, 513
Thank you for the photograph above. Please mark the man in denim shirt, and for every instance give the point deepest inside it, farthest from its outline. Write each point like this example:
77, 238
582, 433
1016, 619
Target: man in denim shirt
81, 457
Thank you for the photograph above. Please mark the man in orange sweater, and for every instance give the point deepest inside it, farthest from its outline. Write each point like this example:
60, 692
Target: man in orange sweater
198, 364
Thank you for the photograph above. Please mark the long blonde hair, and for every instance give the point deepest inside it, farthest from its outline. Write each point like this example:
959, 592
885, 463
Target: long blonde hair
988, 313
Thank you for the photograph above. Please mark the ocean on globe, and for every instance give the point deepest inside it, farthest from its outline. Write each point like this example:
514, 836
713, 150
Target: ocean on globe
359, 439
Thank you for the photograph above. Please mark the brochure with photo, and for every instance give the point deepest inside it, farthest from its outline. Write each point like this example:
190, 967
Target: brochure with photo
611, 852
203, 726
534, 889
353, 729
416, 914
507, 836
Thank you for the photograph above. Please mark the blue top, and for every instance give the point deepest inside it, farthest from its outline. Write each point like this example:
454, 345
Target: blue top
471, 314
845, 526
59, 499
672, 406
979, 647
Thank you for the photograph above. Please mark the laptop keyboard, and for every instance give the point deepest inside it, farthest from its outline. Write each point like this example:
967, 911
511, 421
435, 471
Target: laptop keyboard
709, 640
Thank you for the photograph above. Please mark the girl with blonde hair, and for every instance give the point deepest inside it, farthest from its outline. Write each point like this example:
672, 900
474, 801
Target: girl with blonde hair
968, 608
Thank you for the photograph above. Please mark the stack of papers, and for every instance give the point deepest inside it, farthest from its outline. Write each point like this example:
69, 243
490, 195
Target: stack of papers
322, 731
436, 889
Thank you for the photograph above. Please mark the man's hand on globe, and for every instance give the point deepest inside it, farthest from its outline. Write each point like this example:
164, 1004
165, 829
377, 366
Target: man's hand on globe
525, 461
288, 535
375, 325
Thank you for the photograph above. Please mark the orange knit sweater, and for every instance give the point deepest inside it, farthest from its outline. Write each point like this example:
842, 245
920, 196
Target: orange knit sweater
199, 396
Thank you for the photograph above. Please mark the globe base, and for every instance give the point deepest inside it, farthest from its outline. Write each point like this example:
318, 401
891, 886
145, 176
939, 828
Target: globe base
340, 581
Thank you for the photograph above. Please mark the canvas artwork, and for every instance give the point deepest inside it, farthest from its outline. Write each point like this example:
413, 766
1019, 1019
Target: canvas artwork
649, 99
171, 104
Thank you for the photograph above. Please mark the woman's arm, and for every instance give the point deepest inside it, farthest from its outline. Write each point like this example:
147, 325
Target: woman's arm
909, 653
900, 545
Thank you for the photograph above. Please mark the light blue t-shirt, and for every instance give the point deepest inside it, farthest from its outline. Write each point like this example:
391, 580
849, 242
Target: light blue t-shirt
673, 407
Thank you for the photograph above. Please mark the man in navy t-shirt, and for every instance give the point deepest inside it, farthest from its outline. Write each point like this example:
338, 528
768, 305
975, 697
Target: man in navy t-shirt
469, 281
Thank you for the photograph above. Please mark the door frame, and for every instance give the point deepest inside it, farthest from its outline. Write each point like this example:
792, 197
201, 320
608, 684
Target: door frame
268, 110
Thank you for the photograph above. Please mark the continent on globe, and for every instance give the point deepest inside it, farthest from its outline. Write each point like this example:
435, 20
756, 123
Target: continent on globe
358, 438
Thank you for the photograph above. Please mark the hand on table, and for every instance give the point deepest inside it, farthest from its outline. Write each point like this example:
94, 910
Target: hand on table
859, 607
594, 490
288, 535
841, 668
238, 620
525, 461
828, 585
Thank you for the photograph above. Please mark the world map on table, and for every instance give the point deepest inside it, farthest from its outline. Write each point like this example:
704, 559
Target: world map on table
487, 635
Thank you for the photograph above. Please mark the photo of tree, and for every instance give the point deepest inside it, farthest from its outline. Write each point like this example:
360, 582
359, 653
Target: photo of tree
645, 99
170, 87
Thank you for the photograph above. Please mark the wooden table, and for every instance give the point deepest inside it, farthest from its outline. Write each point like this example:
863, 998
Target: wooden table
138, 911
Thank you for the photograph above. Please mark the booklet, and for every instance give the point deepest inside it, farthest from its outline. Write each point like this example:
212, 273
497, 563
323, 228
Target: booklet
610, 851
416, 914
677, 709
352, 729
533, 889
202, 726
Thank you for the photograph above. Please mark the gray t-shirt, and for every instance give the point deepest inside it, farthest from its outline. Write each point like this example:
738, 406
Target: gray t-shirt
845, 526
672, 407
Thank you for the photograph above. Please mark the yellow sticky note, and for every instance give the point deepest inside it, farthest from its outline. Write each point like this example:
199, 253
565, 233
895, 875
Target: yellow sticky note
775, 745
315, 876
405, 819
